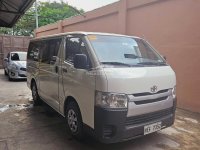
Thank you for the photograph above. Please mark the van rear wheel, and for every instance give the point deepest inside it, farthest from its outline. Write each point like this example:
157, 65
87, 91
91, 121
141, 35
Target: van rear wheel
35, 95
74, 120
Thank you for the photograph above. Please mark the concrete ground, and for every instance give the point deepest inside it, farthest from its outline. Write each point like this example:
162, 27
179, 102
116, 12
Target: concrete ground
23, 127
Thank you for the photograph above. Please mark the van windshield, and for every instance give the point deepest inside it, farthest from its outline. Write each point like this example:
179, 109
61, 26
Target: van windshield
18, 56
124, 51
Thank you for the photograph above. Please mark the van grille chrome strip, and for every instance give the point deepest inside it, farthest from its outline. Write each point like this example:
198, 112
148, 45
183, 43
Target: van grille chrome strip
152, 97
151, 100
147, 93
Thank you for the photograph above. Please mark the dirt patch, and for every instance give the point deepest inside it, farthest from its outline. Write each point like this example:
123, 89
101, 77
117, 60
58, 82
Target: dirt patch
185, 131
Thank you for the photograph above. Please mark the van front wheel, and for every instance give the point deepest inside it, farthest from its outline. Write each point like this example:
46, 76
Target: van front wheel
35, 95
74, 121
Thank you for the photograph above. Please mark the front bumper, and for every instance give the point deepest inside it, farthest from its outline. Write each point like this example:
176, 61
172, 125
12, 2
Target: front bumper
17, 74
113, 126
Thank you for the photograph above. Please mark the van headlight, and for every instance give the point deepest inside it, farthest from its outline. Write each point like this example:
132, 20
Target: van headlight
174, 92
111, 100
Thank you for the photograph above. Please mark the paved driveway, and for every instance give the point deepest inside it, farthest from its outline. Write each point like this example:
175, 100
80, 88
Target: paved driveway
23, 127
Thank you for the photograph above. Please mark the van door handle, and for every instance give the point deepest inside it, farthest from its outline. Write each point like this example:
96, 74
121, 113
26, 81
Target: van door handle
65, 70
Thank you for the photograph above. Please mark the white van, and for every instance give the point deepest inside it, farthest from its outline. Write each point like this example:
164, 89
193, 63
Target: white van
115, 87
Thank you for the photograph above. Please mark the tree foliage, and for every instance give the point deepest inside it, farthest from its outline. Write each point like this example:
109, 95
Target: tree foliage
48, 13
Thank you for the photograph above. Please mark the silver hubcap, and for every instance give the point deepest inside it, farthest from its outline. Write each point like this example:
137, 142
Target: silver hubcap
72, 120
34, 93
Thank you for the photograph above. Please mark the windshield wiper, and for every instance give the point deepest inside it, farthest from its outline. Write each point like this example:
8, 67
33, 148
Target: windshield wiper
132, 56
153, 63
116, 63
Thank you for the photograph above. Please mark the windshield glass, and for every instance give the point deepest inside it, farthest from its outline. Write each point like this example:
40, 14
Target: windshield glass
18, 56
124, 51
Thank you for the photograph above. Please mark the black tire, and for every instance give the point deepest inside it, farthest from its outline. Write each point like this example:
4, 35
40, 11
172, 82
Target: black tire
35, 95
9, 78
5, 73
74, 120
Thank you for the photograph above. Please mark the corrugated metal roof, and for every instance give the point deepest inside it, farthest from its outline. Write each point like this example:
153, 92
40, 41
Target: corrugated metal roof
12, 10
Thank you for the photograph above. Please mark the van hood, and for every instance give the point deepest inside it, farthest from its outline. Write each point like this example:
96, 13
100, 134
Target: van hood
139, 80
20, 64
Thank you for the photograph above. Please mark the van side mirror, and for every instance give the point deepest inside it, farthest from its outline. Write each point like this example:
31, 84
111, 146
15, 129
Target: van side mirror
6, 59
80, 61
165, 57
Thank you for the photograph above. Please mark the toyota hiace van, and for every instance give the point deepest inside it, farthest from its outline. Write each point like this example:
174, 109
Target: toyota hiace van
115, 87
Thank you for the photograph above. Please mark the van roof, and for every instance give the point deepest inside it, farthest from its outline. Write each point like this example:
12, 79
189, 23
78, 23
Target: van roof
83, 33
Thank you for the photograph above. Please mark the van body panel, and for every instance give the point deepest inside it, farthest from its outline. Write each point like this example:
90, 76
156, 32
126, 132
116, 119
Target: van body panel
49, 85
32, 72
61, 93
139, 79
101, 80
80, 84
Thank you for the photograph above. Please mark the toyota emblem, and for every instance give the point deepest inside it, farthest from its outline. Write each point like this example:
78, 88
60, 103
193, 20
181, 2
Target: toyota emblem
154, 89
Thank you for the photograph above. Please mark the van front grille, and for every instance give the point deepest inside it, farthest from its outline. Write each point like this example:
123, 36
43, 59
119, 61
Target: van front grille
150, 100
148, 117
147, 93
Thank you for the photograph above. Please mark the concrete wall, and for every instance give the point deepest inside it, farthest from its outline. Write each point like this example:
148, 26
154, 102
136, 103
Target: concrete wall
171, 26
12, 43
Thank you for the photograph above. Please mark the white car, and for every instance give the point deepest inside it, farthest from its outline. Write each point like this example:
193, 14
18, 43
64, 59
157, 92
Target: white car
15, 65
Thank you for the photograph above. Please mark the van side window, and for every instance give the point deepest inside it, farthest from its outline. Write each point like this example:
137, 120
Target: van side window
33, 51
49, 49
54, 46
44, 52
75, 46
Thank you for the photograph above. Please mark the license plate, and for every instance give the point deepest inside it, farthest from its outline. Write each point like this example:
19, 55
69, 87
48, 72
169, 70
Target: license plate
152, 128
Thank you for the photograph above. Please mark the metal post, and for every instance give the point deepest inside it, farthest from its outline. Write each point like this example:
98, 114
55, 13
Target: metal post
36, 14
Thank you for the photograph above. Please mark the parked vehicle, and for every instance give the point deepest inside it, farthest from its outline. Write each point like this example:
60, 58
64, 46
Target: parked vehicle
116, 87
15, 65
